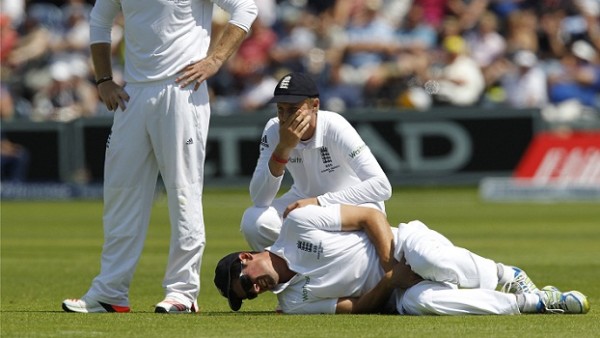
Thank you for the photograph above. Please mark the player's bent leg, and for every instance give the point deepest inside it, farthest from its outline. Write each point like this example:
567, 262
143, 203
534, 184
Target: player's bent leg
434, 298
260, 227
434, 257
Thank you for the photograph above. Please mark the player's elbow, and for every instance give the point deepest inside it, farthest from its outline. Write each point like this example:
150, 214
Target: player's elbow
383, 188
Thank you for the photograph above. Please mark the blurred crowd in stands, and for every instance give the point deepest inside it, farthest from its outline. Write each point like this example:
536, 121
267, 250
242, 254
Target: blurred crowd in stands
388, 54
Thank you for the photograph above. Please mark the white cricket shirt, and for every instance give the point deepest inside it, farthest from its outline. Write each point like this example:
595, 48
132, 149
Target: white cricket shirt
330, 264
164, 36
335, 165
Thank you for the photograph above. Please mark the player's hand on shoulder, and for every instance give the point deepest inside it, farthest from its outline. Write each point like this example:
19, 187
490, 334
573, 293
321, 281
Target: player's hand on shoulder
299, 204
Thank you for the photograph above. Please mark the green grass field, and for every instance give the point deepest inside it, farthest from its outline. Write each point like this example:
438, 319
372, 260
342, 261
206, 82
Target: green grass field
51, 250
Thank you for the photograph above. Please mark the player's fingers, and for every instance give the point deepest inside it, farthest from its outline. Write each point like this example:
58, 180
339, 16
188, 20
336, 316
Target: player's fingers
122, 105
289, 209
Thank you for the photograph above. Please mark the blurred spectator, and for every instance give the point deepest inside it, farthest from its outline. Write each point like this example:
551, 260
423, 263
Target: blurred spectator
360, 52
524, 83
468, 12
14, 158
67, 95
434, 11
574, 83
460, 81
552, 43
488, 47
75, 32
485, 42
590, 12
297, 39
367, 37
245, 72
33, 44
8, 37
14, 9
414, 40
522, 31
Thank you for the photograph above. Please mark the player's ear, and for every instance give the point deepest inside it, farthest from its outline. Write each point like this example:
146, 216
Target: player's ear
246, 256
316, 103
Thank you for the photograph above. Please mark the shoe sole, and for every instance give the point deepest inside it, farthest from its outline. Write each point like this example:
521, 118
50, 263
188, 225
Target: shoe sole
104, 308
174, 309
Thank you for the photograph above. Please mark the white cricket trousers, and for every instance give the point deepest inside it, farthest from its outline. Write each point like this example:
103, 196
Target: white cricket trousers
457, 281
261, 226
163, 130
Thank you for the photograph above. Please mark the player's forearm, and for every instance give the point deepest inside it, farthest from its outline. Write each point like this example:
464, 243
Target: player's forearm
278, 160
374, 301
374, 189
101, 57
380, 234
374, 223
263, 185
226, 44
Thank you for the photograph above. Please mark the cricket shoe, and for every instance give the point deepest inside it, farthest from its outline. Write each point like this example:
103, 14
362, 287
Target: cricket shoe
554, 301
91, 306
173, 306
521, 283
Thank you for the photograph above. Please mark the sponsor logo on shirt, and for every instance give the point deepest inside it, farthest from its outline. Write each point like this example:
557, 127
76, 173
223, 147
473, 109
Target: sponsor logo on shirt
295, 160
305, 288
357, 151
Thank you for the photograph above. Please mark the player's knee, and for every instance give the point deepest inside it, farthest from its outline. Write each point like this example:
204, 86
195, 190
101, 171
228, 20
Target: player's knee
260, 226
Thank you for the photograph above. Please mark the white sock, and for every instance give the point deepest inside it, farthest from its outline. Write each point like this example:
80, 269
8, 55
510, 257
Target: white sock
506, 274
528, 302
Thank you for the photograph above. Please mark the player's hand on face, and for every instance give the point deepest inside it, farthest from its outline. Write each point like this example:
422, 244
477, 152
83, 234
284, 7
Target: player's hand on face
197, 72
293, 126
113, 95
299, 204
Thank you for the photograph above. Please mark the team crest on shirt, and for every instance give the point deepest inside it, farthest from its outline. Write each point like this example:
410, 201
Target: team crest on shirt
327, 162
314, 248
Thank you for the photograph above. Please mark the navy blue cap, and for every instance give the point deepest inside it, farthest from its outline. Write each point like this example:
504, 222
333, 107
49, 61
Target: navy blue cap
295, 87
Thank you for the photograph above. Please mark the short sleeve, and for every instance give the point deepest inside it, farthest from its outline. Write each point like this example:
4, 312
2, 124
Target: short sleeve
326, 218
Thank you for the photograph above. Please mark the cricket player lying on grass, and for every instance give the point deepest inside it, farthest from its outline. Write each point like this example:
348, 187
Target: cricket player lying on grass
348, 259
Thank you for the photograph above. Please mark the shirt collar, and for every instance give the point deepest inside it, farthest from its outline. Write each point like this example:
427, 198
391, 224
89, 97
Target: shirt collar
317, 140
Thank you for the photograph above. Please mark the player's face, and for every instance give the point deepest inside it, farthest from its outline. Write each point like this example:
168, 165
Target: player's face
244, 287
304, 109
285, 110
257, 276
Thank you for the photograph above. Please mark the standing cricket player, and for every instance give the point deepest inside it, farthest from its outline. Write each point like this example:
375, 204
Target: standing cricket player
160, 126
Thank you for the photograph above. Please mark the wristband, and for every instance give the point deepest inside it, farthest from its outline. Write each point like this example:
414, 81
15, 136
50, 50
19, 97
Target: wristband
104, 79
278, 160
